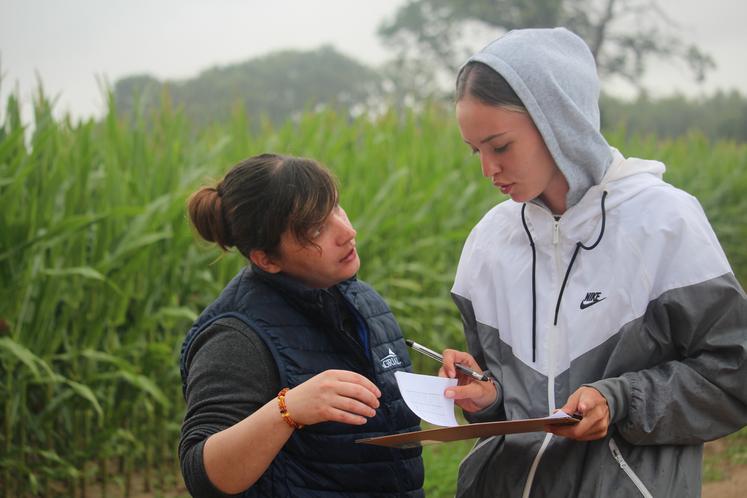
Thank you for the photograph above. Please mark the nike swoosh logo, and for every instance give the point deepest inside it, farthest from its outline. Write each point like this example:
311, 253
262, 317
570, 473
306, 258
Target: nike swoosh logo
586, 304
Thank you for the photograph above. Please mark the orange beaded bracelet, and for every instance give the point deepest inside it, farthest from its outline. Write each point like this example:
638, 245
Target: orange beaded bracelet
284, 410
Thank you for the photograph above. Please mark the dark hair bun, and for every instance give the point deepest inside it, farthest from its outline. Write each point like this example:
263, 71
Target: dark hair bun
259, 199
206, 212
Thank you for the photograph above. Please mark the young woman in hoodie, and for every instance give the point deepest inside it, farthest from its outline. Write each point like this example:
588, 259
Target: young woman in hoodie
597, 288
295, 359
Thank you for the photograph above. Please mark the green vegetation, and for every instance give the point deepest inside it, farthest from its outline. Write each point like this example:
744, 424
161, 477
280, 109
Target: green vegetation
720, 462
441, 465
721, 116
100, 275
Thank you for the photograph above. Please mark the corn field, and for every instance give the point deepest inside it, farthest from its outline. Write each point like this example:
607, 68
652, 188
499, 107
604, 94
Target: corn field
101, 275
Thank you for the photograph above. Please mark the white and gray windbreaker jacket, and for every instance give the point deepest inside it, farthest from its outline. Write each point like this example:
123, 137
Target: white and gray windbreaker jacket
629, 292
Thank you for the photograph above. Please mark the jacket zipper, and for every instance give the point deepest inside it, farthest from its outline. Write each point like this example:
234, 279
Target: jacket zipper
554, 334
626, 468
550, 368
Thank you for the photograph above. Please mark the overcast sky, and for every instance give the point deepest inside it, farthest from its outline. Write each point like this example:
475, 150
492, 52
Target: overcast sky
73, 44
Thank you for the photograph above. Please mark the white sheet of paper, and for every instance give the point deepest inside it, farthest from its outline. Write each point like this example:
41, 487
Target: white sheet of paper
424, 394
559, 414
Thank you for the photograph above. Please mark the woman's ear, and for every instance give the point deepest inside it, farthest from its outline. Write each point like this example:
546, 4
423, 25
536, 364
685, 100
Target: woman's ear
264, 261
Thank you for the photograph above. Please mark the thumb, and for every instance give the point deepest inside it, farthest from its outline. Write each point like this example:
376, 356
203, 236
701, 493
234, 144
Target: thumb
467, 391
585, 402
573, 404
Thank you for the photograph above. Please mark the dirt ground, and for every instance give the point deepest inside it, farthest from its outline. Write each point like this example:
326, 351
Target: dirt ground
734, 485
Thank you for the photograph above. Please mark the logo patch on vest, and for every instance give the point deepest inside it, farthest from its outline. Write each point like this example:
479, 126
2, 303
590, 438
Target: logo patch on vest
391, 360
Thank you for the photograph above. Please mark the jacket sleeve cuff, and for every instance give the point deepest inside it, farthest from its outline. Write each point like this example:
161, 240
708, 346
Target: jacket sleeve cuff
491, 412
616, 391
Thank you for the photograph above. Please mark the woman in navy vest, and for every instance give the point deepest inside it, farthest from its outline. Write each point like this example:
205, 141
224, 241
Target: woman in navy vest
295, 359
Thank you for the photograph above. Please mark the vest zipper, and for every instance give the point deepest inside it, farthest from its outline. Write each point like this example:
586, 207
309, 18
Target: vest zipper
626, 468
358, 348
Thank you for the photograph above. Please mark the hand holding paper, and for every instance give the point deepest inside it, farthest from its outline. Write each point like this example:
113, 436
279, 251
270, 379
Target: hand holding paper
424, 394
470, 395
590, 403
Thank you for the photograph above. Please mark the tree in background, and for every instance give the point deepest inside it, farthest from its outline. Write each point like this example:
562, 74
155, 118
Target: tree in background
139, 89
722, 116
623, 35
281, 84
277, 85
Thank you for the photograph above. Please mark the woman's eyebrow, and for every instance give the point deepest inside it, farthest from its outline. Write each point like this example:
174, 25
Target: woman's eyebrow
491, 137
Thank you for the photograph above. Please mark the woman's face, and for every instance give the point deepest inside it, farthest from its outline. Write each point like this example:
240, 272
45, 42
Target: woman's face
512, 153
334, 260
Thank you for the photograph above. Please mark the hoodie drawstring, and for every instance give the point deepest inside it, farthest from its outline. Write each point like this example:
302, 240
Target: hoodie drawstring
579, 246
534, 291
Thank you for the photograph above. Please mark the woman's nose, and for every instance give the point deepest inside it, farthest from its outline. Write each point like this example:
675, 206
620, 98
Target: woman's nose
346, 232
490, 166
349, 232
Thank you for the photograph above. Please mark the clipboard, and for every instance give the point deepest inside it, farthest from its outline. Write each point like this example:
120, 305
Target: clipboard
467, 431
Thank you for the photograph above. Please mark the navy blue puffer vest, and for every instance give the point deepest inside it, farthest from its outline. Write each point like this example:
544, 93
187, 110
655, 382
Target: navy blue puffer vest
302, 328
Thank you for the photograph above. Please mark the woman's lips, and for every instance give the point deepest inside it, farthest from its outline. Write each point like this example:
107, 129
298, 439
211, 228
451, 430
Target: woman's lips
506, 188
349, 256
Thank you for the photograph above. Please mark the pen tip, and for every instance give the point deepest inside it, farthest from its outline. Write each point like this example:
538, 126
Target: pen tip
408, 342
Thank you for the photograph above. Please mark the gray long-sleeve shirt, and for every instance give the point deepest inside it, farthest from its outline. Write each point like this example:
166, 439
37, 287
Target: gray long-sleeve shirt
231, 375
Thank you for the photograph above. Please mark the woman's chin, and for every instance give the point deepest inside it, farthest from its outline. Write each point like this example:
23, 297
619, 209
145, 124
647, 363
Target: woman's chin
352, 267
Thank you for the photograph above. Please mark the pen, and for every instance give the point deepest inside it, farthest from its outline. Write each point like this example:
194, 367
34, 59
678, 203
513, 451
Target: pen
439, 358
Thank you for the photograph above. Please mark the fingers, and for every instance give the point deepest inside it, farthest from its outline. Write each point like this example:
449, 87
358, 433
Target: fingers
571, 406
347, 411
473, 396
589, 431
334, 395
467, 391
343, 417
354, 378
452, 356
470, 394
355, 393
589, 403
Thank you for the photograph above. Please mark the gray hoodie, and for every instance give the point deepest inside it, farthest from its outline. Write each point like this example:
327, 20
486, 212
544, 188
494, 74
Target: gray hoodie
628, 292
553, 73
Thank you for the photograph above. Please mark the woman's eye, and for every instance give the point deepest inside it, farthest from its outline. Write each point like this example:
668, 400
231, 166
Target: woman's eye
474, 151
500, 149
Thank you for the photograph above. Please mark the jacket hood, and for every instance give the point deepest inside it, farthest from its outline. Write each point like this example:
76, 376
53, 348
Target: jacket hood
625, 178
554, 74
622, 167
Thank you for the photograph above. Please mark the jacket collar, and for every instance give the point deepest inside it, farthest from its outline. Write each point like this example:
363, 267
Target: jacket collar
318, 304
